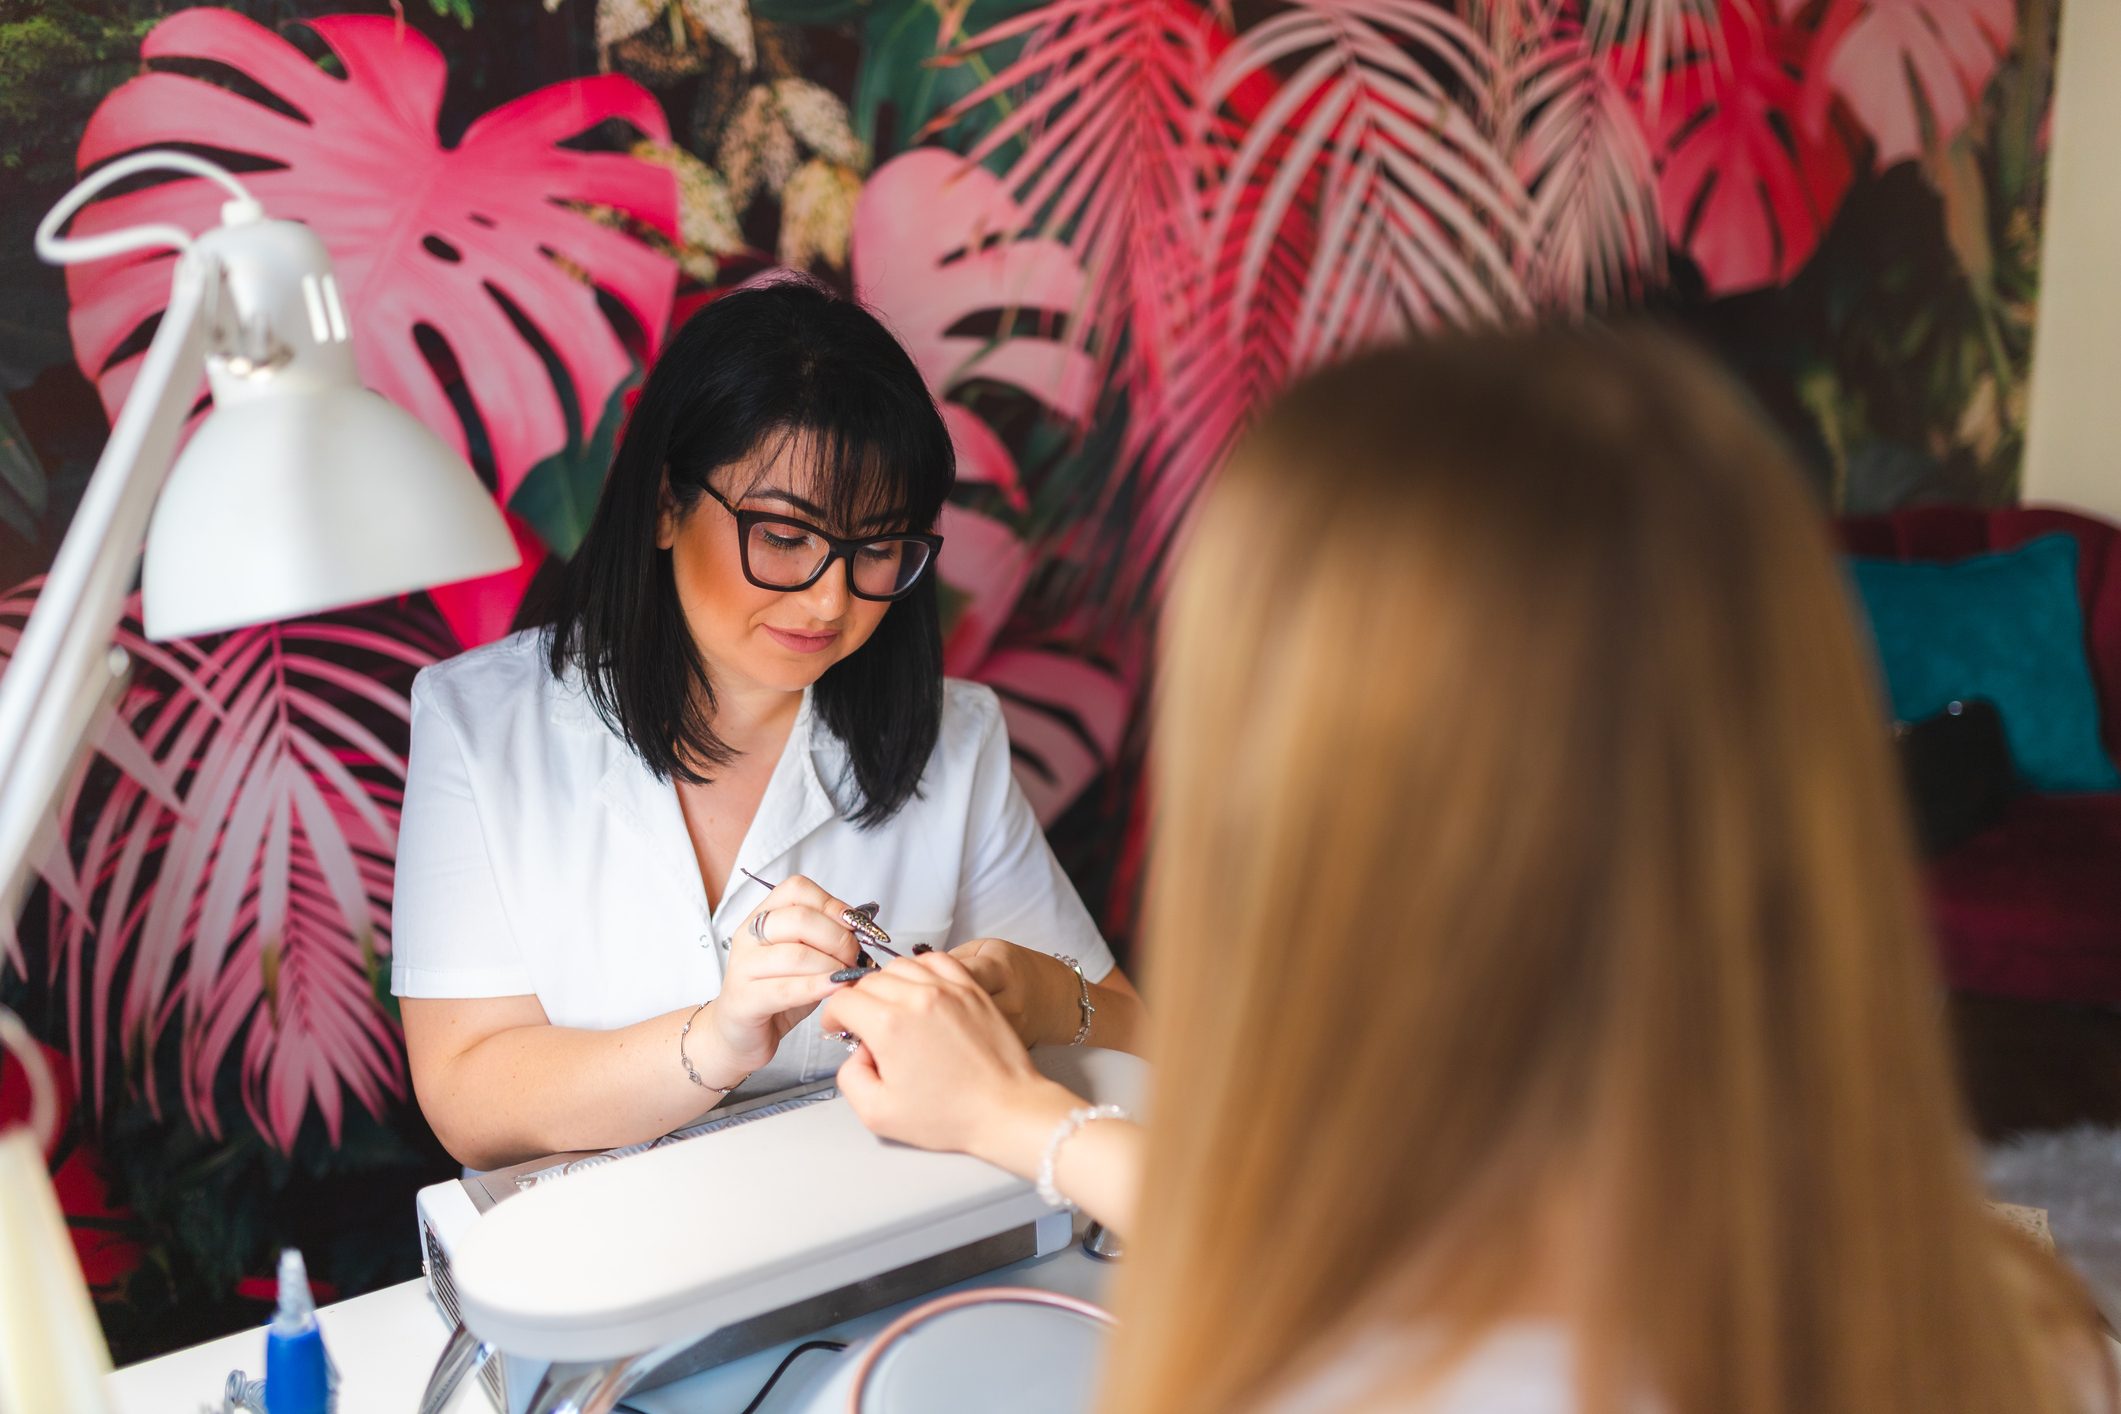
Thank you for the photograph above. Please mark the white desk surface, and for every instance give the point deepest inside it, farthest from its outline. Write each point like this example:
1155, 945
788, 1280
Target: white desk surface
386, 1342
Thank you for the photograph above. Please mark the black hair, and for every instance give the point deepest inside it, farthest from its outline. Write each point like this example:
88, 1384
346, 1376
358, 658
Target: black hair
787, 359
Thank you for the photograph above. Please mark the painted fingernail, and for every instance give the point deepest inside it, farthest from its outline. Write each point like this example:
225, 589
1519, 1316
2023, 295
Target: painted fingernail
919, 948
852, 974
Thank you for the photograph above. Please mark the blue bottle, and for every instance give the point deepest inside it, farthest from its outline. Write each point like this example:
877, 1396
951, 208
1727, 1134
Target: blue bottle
297, 1371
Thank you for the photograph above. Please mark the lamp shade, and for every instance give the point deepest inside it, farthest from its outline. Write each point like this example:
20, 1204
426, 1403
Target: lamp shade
301, 490
306, 499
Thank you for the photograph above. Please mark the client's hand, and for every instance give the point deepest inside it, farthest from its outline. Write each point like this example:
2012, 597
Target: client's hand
769, 986
1039, 994
939, 1066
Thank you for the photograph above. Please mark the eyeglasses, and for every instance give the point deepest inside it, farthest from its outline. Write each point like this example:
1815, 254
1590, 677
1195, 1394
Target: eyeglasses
782, 553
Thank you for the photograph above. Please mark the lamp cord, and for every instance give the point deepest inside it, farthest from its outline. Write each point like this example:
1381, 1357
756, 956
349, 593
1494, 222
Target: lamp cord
72, 250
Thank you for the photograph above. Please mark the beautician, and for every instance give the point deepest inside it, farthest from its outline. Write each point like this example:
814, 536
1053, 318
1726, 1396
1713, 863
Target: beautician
741, 675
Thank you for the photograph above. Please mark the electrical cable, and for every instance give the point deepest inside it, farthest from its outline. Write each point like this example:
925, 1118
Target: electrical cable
789, 1359
771, 1380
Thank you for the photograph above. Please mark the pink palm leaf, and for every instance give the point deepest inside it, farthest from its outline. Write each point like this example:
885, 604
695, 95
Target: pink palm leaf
471, 271
1658, 29
1239, 353
1107, 91
1419, 218
922, 261
1346, 203
1595, 236
1743, 189
255, 908
1897, 63
111, 737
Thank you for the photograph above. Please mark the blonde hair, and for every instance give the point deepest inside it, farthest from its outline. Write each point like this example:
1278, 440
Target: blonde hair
1526, 840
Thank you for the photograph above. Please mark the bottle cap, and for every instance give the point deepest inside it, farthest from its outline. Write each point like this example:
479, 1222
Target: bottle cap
297, 1307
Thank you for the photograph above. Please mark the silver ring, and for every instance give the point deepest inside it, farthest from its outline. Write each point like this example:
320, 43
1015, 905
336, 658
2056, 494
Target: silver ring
758, 924
848, 1039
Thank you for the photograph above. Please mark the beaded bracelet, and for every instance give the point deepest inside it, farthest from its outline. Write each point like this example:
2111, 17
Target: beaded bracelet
692, 1074
1062, 1133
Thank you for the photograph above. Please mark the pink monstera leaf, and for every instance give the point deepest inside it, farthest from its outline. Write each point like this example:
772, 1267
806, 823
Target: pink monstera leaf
1893, 61
1067, 719
1743, 187
924, 260
925, 257
921, 260
471, 272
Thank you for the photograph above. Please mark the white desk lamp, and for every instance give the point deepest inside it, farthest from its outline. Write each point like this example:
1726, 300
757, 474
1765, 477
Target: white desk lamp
300, 491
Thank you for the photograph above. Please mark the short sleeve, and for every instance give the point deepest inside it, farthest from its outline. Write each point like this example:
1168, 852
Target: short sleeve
1012, 886
449, 933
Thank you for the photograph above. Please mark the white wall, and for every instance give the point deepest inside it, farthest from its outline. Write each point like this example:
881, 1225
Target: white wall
2073, 435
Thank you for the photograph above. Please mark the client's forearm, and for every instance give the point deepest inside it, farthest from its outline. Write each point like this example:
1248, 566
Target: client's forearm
1098, 1167
533, 1090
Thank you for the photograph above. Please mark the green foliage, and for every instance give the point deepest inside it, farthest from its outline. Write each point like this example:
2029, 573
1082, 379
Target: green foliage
811, 12
214, 1211
559, 495
57, 60
23, 494
904, 78
1899, 357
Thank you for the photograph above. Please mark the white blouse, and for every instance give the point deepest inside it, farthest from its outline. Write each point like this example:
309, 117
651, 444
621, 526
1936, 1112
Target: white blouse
537, 854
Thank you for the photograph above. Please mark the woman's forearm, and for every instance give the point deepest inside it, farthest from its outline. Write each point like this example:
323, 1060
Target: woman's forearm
1117, 1022
1098, 1167
530, 1090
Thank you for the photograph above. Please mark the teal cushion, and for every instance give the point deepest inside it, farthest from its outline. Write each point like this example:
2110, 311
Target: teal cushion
2007, 627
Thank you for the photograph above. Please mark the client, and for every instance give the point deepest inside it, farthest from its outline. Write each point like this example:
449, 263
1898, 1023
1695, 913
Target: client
1544, 1014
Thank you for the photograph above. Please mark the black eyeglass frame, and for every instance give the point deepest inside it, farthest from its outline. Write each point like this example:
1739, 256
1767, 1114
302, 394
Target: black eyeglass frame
839, 548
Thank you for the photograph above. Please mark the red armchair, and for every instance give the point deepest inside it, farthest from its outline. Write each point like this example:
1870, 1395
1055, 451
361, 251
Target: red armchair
2031, 907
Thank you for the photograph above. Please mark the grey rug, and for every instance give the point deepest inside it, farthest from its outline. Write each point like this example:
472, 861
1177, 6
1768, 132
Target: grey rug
2076, 1175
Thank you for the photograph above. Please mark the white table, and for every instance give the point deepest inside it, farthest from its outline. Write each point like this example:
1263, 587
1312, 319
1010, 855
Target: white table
386, 1342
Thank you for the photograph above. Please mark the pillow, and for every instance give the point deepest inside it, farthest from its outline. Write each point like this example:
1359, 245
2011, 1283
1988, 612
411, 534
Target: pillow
2005, 626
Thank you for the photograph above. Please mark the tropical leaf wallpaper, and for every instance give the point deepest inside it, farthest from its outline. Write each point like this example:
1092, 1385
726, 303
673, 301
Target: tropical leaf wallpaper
1108, 231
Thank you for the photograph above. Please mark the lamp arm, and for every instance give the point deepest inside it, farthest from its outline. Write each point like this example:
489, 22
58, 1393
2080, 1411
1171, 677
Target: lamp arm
62, 665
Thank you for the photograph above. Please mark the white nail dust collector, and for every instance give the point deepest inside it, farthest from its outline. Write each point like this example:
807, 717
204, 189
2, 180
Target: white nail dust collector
576, 1279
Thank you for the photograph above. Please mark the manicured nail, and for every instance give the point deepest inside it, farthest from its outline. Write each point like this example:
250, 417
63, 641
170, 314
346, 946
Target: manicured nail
919, 948
852, 974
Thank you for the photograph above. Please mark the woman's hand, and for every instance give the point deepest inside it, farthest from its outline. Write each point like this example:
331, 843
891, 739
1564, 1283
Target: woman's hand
770, 986
940, 1067
1038, 994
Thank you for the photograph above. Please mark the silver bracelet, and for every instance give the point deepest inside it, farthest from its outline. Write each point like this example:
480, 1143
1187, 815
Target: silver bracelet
692, 1074
1082, 1032
1062, 1133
